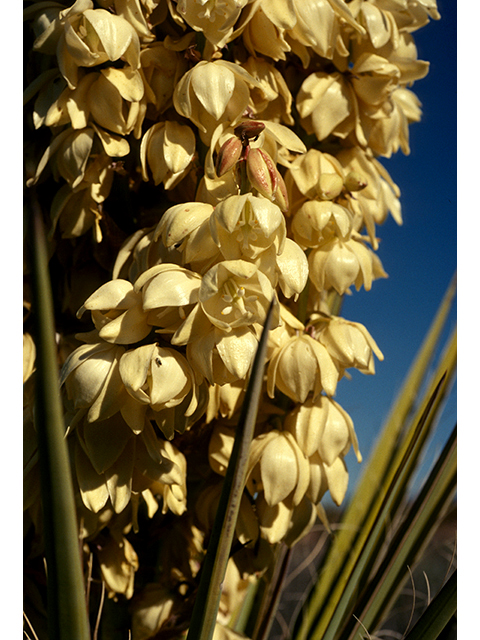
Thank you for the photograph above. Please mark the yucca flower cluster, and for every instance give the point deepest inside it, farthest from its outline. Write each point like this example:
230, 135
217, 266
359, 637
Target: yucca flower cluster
199, 160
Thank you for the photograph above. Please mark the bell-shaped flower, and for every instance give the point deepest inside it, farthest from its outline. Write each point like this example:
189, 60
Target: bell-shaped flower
340, 264
322, 425
187, 227
300, 366
349, 344
114, 100
273, 100
244, 226
224, 400
117, 313
157, 377
222, 358
138, 13
161, 69
317, 221
319, 26
92, 380
118, 563
167, 149
168, 294
234, 293
90, 37
388, 135
215, 20
139, 252
305, 175
262, 35
211, 92
151, 610
285, 522
292, 269
371, 204
173, 490
379, 24
324, 101
374, 78
105, 475
280, 466
324, 477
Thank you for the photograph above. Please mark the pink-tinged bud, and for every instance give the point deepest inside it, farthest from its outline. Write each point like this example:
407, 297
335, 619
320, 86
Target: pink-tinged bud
262, 173
281, 195
228, 156
355, 182
249, 129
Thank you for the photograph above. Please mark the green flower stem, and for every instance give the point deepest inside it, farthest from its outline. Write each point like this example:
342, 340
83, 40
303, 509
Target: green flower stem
204, 615
67, 616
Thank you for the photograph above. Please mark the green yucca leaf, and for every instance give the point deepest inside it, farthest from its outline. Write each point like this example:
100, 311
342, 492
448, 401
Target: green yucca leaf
438, 613
67, 617
205, 610
416, 530
332, 620
361, 515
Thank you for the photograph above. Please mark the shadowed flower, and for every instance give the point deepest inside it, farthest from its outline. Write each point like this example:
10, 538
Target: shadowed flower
117, 313
168, 149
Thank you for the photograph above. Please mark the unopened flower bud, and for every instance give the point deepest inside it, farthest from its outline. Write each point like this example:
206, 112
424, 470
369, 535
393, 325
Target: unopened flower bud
281, 194
228, 155
355, 182
249, 129
330, 186
262, 173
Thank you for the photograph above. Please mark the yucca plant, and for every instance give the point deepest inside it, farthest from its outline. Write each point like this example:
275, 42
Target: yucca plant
203, 188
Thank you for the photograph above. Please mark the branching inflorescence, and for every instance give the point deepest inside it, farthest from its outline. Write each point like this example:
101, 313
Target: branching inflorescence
224, 155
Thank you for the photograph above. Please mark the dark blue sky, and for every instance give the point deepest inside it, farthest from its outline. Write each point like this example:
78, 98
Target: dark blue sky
420, 256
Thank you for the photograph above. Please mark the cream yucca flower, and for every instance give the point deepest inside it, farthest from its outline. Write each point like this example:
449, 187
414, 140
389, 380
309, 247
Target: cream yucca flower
300, 366
211, 92
168, 294
234, 293
278, 467
244, 226
117, 313
222, 358
167, 149
215, 19
339, 264
85, 37
91, 375
187, 228
161, 69
156, 377
316, 222
139, 252
118, 564
349, 344
380, 195
321, 426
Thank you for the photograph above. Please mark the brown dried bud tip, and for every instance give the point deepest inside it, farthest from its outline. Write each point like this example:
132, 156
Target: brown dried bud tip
355, 182
228, 156
249, 129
